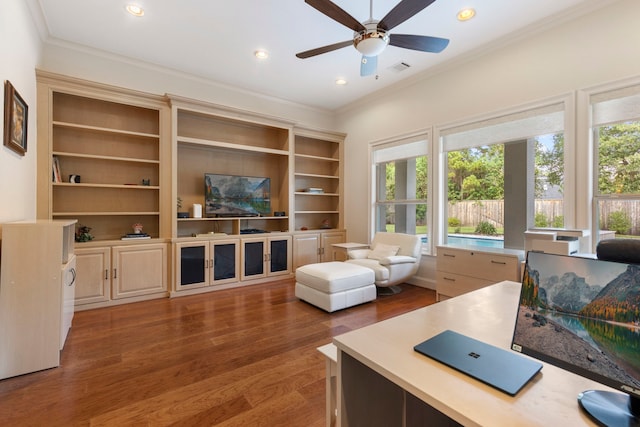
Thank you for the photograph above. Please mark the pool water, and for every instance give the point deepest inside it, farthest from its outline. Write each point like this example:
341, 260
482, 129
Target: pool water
485, 242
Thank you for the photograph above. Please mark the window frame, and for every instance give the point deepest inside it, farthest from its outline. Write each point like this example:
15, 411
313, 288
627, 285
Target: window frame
418, 138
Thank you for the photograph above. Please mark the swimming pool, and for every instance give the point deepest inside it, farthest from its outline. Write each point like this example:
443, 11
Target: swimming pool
486, 242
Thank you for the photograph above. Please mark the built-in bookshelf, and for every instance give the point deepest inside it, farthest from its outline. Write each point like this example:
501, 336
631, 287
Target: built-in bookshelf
105, 158
317, 180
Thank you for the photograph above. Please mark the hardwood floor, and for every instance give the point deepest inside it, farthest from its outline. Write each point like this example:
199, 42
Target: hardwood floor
238, 357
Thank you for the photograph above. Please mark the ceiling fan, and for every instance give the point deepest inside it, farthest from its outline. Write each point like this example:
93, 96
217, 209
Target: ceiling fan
371, 37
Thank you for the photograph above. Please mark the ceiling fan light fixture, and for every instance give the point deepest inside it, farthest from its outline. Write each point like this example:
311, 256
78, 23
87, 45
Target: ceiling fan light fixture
371, 43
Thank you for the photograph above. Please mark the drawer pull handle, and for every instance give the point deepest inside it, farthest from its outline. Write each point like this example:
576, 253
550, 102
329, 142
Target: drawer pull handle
498, 262
449, 255
449, 279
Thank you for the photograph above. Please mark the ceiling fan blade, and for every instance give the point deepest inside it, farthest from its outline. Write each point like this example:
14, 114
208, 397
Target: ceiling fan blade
336, 13
403, 11
323, 49
421, 43
368, 65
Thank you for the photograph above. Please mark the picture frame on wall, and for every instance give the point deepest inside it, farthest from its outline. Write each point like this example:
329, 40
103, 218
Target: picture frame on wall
16, 113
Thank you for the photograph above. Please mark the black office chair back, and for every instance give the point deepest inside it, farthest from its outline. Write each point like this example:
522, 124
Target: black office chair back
619, 250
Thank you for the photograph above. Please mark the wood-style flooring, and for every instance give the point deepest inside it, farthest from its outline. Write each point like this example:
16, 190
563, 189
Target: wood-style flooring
237, 357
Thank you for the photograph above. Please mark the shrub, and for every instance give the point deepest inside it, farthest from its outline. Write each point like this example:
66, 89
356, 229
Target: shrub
540, 220
558, 221
454, 222
619, 222
486, 228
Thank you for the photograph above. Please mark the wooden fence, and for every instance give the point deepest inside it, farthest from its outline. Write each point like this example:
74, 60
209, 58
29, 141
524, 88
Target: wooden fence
470, 213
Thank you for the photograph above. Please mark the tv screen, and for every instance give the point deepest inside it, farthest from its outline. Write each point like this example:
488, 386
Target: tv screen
231, 195
583, 315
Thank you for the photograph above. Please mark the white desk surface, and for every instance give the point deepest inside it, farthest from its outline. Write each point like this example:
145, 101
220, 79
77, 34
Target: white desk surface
488, 314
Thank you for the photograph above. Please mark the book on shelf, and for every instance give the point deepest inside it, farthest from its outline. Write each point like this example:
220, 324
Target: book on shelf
56, 170
135, 236
314, 190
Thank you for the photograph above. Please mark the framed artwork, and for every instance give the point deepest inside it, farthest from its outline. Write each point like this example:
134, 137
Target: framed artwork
16, 113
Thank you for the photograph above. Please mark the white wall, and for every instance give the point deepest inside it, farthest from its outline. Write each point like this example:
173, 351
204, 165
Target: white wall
598, 47
20, 49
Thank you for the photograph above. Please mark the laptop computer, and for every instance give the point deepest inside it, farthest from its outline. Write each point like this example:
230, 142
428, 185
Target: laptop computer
497, 367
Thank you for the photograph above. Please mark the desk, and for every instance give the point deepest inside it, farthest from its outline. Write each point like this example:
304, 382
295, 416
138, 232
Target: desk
382, 380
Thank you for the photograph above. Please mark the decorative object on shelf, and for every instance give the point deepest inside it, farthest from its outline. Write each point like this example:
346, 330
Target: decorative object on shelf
303, 228
179, 206
137, 228
197, 210
83, 234
325, 224
16, 113
146, 182
279, 213
74, 179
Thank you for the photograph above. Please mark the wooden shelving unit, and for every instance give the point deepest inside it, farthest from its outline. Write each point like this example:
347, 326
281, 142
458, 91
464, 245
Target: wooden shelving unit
136, 154
214, 139
318, 165
110, 139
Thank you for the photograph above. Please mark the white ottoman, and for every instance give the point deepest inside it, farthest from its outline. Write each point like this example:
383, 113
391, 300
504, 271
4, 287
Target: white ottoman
335, 285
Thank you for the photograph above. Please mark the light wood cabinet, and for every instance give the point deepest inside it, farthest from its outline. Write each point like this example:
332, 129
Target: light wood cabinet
108, 275
206, 263
265, 257
37, 284
461, 270
139, 270
94, 275
317, 180
111, 141
313, 247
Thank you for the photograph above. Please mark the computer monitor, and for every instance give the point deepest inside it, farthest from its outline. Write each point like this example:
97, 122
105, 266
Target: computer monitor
583, 315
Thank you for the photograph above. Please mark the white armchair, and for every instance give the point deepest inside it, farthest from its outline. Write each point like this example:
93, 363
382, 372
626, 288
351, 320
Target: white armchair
394, 258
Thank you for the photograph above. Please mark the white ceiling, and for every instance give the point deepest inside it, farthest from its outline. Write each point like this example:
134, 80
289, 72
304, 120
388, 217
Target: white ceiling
216, 39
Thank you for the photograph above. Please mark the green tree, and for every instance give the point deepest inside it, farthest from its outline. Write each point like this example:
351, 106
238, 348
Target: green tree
549, 165
476, 173
619, 158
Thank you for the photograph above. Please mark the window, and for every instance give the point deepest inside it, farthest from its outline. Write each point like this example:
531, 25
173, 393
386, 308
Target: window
400, 177
503, 176
616, 137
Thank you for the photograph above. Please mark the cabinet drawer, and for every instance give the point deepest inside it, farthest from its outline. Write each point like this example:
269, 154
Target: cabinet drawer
451, 284
485, 265
494, 267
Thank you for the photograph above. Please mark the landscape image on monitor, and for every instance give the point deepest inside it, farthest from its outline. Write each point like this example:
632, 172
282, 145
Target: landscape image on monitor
229, 195
583, 315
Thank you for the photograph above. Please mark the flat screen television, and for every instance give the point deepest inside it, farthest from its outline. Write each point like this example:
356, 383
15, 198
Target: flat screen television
236, 196
583, 315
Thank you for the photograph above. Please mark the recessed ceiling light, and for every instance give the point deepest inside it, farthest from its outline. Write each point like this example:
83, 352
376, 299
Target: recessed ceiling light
261, 54
135, 9
466, 14
341, 82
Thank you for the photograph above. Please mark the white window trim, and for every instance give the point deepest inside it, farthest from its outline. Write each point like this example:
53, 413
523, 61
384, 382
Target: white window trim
520, 112
587, 170
399, 140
